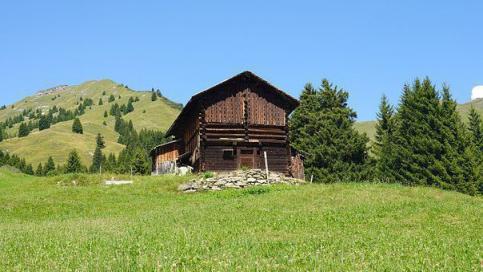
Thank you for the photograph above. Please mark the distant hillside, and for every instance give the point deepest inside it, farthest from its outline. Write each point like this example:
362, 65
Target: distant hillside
369, 127
58, 140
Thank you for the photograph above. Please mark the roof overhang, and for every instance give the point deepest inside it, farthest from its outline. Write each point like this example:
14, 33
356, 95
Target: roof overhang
291, 102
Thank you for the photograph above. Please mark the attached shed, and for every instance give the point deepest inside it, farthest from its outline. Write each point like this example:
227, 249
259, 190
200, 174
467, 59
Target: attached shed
230, 126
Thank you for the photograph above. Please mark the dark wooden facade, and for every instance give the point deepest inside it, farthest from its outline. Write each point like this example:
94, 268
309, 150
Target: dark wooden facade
231, 125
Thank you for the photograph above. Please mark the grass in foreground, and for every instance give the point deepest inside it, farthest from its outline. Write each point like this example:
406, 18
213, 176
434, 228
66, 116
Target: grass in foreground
149, 226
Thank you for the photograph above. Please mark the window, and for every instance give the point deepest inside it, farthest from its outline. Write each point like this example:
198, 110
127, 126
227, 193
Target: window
228, 154
246, 151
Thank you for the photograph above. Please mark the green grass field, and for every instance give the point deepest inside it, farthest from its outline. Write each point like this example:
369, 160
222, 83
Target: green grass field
59, 140
149, 226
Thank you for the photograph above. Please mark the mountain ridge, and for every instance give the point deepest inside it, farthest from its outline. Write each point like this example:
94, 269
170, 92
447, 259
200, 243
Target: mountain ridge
58, 140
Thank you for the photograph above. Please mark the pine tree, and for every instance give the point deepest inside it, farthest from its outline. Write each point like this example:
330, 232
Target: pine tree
40, 170
44, 122
29, 170
73, 163
130, 107
96, 160
77, 126
383, 140
111, 163
154, 97
23, 130
100, 102
100, 141
105, 114
111, 98
456, 156
322, 127
158, 93
140, 162
475, 128
50, 166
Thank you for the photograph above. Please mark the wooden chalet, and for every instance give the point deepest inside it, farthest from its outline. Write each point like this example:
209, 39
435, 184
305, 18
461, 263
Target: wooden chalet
230, 126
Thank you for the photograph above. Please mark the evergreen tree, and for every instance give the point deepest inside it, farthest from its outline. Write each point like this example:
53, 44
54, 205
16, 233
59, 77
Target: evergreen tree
100, 141
1, 133
140, 162
430, 144
100, 102
29, 170
50, 166
77, 126
40, 170
322, 127
475, 124
111, 163
383, 140
456, 156
44, 122
111, 98
154, 97
105, 114
73, 163
475, 128
158, 93
23, 130
96, 160
130, 107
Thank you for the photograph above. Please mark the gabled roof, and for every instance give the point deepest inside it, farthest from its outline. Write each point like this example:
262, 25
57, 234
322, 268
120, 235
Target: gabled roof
291, 103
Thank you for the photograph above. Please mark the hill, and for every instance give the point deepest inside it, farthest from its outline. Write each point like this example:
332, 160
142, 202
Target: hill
59, 140
150, 226
369, 127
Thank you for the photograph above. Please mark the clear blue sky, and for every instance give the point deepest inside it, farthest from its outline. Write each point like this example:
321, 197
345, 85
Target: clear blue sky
182, 47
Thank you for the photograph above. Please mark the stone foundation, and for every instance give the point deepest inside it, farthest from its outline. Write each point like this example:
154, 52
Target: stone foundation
237, 179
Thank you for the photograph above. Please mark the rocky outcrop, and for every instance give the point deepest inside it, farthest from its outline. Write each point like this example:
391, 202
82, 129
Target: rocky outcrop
236, 180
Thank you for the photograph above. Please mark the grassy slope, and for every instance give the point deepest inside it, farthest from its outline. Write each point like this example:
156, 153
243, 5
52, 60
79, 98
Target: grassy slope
149, 226
59, 140
369, 127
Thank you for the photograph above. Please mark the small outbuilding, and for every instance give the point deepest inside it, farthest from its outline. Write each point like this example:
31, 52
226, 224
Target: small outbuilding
231, 126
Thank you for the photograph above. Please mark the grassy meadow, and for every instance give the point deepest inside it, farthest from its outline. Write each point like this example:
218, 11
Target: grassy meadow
59, 140
48, 224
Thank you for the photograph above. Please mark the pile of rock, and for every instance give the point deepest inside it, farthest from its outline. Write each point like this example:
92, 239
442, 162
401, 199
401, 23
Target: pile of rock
237, 179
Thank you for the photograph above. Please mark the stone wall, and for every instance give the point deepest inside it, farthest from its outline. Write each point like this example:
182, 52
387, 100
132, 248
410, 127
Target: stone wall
237, 179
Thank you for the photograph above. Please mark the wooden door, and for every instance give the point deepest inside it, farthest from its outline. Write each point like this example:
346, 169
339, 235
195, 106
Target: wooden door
246, 158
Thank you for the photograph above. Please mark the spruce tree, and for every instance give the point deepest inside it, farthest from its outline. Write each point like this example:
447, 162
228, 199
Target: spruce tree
383, 140
475, 128
111, 98
44, 122
154, 97
129, 107
73, 163
100, 141
456, 156
96, 160
40, 170
77, 126
29, 170
1, 133
322, 127
100, 102
50, 166
23, 130
140, 162
105, 114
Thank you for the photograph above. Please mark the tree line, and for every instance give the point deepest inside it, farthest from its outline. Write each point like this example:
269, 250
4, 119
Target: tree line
422, 141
